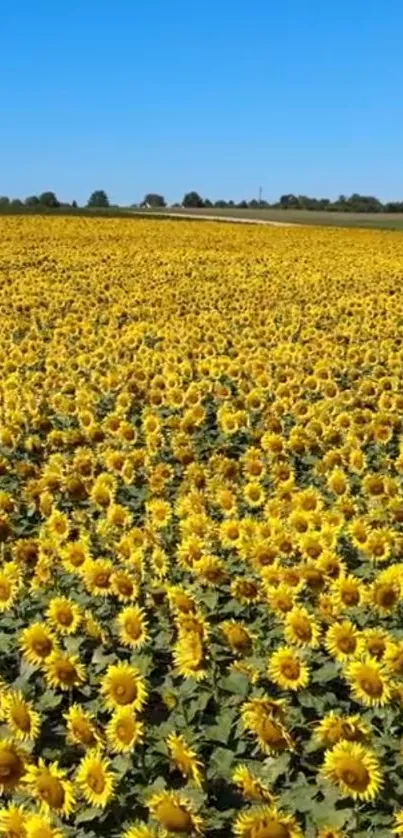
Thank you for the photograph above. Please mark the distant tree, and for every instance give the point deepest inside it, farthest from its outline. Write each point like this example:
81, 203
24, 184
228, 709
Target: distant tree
4, 201
254, 204
16, 203
192, 199
32, 201
98, 198
74, 204
48, 199
289, 201
175, 206
242, 205
154, 200
220, 204
207, 203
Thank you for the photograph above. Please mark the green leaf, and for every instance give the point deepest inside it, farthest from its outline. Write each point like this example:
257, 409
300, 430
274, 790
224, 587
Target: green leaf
87, 815
236, 683
222, 761
325, 673
49, 701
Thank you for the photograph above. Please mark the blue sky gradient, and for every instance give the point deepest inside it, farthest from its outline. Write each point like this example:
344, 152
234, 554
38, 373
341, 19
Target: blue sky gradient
221, 97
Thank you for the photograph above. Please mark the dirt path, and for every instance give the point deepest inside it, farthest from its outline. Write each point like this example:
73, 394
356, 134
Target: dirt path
232, 219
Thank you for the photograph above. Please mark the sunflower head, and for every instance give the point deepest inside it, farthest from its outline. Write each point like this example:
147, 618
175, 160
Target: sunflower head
185, 758
64, 671
39, 826
13, 821
355, 769
12, 765
124, 731
288, 670
369, 681
123, 686
132, 625
95, 779
266, 822
175, 813
21, 717
48, 785
37, 643
81, 729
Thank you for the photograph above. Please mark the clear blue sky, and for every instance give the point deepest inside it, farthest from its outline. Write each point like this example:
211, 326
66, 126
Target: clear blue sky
219, 96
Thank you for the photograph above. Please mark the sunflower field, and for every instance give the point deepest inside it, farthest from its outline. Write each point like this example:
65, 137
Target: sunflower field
201, 530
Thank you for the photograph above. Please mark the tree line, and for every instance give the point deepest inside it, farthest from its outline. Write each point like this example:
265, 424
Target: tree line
192, 200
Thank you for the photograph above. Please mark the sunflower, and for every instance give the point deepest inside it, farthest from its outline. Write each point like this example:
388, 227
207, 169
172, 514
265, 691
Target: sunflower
343, 641
254, 494
335, 727
329, 832
124, 586
210, 570
97, 576
39, 826
347, 591
13, 821
132, 627
12, 765
237, 636
385, 595
64, 615
95, 779
287, 669
58, 526
64, 671
376, 640
139, 830
266, 822
37, 643
8, 590
369, 681
355, 769
180, 601
301, 628
394, 657
189, 656
250, 786
281, 598
81, 728
185, 758
245, 590
124, 731
48, 785
74, 554
397, 827
175, 813
20, 716
123, 686
160, 512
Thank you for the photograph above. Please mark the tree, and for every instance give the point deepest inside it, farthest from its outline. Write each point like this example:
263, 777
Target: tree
98, 198
32, 201
154, 200
192, 199
48, 199
4, 201
208, 204
16, 203
74, 204
220, 204
242, 205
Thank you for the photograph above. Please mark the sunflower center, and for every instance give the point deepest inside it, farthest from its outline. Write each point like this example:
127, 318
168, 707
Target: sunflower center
174, 817
66, 672
124, 731
350, 597
347, 644
133, 628
65, 616
291, 669
42, 646
125, 692
302, 629
51, 790
102, 579
386, 596
5, 589
96, 781
372, 684
272, 734
21, 718
82, 730
125, 587
238, 638
354, 774
10, 767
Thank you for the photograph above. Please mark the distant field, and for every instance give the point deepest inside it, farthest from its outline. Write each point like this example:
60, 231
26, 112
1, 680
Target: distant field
392, 221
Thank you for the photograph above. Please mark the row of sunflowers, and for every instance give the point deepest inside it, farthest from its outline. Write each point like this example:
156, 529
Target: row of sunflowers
201, 541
